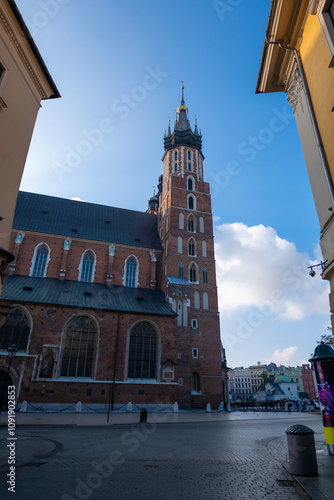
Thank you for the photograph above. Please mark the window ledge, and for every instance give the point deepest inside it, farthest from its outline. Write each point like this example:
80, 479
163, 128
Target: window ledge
74, 379
142, 381
145, 382
19, 354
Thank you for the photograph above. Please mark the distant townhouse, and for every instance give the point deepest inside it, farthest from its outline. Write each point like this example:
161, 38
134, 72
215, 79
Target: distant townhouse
309, 381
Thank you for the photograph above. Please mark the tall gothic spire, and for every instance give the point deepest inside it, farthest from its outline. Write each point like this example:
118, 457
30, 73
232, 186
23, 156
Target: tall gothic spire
182, 122
182, 134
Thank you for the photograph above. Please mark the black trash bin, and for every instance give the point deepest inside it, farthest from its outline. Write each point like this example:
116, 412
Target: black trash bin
301, 448
143, 415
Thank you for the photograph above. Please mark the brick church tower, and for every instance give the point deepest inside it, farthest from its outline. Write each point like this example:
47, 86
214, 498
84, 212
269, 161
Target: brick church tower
188, 261
111, 306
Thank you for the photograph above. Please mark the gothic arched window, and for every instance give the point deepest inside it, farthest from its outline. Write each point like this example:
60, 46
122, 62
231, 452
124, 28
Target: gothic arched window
192, 247
87, 267
40, 261
193, 273
15, 330
143, 346
205, 274
181, 269
191, 202
190, 184
79, 343
131, 272
191, 224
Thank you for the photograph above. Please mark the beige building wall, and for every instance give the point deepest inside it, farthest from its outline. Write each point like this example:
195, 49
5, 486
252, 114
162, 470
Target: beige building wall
24, 83
256, 380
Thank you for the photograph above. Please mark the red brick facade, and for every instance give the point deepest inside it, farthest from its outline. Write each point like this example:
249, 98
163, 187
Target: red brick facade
308, 378
187, 346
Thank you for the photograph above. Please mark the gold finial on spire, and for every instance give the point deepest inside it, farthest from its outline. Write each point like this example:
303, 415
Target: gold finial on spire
182, 101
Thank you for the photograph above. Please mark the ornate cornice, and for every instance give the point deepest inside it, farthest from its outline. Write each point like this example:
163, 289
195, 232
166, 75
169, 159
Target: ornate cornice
21, 53
313, 7
295, 90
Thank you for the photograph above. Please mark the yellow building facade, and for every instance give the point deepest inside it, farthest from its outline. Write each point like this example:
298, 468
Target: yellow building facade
298, 58
24, 82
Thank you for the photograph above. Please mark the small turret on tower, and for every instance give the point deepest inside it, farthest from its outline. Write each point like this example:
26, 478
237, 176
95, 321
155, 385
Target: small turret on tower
153, 202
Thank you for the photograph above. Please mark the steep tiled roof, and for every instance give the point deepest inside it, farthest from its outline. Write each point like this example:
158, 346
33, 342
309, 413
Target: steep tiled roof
87, 295
47, 214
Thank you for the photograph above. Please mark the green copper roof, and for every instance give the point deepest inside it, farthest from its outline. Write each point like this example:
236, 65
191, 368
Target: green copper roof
322, 352
87, 295
177, 280
282, 378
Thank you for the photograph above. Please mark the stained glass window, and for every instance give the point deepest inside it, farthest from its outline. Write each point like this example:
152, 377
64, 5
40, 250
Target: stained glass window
79, 348
142, 351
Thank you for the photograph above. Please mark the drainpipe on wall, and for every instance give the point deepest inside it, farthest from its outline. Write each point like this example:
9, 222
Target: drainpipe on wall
112, 386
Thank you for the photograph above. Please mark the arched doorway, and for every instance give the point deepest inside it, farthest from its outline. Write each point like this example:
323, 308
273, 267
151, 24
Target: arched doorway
3, 375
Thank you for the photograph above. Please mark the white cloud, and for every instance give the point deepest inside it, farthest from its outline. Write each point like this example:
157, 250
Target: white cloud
257, 268
282, 357
76, 198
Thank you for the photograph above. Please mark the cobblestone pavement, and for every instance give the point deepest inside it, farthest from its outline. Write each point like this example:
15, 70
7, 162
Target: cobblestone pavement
216, 460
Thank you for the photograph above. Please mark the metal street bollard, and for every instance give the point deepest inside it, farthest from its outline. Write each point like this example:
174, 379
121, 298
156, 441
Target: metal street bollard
143, 415
301, 448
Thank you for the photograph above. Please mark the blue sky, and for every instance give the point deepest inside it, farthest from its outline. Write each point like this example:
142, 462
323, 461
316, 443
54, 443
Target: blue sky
118, 66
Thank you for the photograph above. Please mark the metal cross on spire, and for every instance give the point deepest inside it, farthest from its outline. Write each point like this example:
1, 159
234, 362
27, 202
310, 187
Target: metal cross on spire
182, 88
